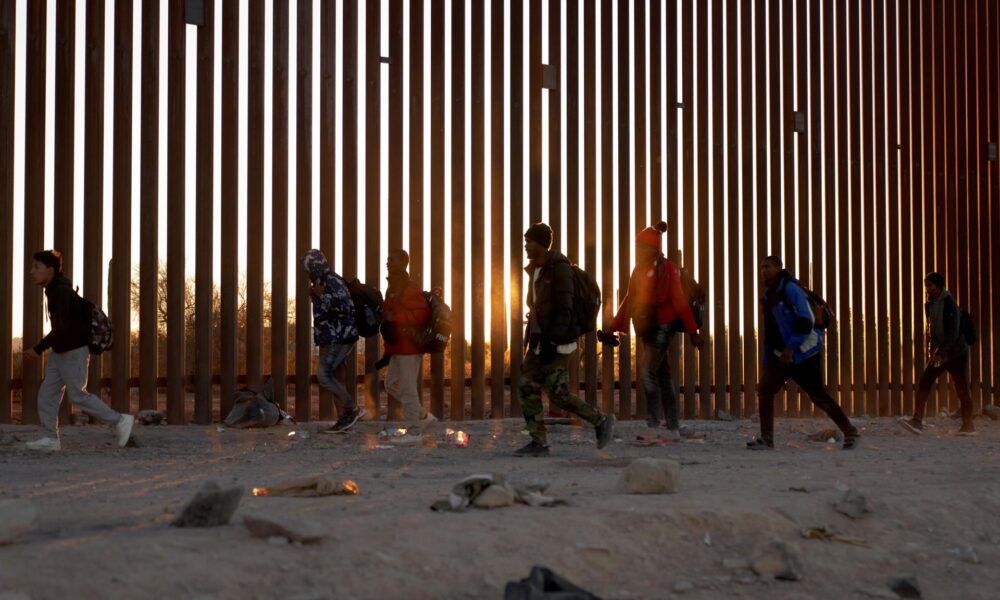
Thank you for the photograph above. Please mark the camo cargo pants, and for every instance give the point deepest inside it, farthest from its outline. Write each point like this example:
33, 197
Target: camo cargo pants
554, 379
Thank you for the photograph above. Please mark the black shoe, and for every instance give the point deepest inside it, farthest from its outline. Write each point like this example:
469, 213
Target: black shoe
912, 425
604, 429
760, 444
533, 448
968, 429
346, 421
850, 440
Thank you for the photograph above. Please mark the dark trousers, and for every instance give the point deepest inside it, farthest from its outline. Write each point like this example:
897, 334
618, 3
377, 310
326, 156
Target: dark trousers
654, 376
958, 368
809, 376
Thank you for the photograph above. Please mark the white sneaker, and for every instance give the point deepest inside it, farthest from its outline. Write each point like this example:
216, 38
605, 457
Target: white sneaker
428, 417
123, 429
45, 444
409, 439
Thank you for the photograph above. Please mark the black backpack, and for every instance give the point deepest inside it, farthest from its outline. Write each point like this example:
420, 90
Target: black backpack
435, 335
102, 332
695, 294
586, 301
967, 327
823, 315
367, 307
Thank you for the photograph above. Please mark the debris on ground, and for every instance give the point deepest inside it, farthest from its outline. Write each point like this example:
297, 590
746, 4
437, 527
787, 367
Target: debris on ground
828, 535
853, 504
310, 487
966, 554
456, 438
828, 436
16, 518
293, 530
252, 408
650, 476
475, 490
150, 417
544, 584
724, 416
779, 561
905, 587
211, 506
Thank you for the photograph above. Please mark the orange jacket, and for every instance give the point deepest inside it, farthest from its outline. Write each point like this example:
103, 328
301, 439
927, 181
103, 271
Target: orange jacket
408, 310
654, 290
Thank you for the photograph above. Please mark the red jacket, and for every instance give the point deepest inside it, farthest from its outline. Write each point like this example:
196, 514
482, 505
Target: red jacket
654, 290
407, 308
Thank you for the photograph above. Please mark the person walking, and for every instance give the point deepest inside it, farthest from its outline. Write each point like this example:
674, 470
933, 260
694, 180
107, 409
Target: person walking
334, 332
551, 339
657, 307
792, 346
66, 365
947, 352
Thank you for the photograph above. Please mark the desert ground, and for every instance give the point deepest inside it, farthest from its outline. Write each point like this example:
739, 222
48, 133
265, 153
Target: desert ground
104, 513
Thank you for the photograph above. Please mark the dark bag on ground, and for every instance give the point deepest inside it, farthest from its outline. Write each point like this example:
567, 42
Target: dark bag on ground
102, 333
586, 301
967, 327
543, 584
367, 307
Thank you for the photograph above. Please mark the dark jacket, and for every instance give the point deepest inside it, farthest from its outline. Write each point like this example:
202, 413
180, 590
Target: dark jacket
551, 310
405, 314
789, 321
945, 341
333, 310
71, 328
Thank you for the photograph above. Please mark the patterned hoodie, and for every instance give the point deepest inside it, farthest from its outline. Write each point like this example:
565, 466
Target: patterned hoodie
333, 310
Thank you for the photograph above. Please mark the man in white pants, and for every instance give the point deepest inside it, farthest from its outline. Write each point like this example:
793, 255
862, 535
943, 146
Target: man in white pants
66, 366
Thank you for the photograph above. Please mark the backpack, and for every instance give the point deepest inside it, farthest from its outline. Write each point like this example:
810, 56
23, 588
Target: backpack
967, 327
823, 315
586, 301
695, 294
102, 331
367, 307
436, 333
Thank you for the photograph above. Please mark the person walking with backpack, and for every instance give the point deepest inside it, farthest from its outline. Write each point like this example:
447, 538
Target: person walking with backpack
66, 367
551, 340
947, 352
405, 314
656, 305
792, 346
335, 332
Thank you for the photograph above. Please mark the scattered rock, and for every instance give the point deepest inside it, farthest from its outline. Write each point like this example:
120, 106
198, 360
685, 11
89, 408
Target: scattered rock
683, 586
905, 587
650, 476
736, 563
724, 416
151, 417
779, 561
853, 504
966, 554
992, 411
495, 496
210, 507
291, 529
16, 518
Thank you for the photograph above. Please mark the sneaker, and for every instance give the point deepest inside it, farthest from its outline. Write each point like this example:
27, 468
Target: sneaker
123, 429
604, 429
674, 435
45, 444
428, 417
912, 425
968, 429
760, 444
346, 421
850, 441
408, 439
534, 449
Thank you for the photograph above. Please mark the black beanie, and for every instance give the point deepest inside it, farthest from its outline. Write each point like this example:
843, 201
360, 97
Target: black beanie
935, 278
541, 234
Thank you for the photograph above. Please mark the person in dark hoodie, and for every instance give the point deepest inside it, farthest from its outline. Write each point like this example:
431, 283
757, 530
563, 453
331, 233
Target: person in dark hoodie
947, 351
66, 366
335, 332
655, 303
551, 340
792, 346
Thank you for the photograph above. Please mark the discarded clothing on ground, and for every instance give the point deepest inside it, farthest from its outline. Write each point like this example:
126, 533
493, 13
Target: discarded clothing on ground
543, 584
310, 487
256, 409
472, 491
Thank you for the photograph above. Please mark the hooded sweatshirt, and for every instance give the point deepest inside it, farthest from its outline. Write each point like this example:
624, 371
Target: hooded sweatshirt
71, 327
333, 310
942, 334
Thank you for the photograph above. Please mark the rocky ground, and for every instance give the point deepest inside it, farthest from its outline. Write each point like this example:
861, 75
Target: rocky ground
930, 510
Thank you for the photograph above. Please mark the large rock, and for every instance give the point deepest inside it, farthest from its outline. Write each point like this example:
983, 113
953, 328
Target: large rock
495, 496
16, 518
294, 530
650, 476
210, 507
853, 504
779, 561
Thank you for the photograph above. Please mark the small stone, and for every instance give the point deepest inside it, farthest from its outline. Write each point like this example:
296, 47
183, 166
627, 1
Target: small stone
210, 507
16, 519
853, 504
495, 496
650, 476
683, 586
779, 561
905, 587
151, 417
289, 528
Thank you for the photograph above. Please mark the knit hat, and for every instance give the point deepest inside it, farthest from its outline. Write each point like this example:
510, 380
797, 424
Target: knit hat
541, 234
935, 278
650, 236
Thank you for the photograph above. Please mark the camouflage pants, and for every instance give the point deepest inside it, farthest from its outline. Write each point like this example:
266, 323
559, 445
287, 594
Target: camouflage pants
554, 379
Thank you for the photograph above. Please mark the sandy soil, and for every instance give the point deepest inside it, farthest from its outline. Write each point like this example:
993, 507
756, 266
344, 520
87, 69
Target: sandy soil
103, 530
